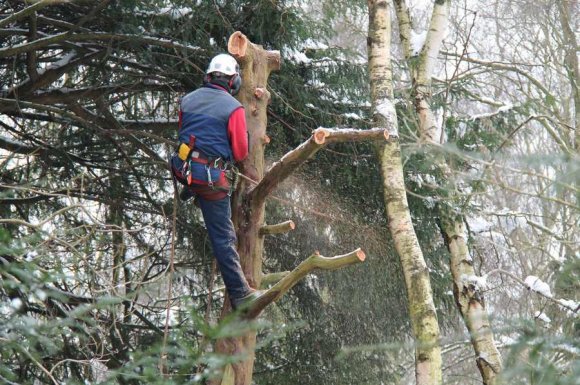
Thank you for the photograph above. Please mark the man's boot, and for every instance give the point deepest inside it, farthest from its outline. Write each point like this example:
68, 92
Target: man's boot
246, 301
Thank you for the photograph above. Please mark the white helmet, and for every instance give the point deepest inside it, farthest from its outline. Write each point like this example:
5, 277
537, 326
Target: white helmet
223, 63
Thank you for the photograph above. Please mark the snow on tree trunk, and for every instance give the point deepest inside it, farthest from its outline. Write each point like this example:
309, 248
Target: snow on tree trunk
467, 290
421, 306
467, 295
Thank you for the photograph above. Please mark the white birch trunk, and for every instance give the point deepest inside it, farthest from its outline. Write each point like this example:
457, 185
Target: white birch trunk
428, 129
572, 68
421, 306
470, 301
468, 296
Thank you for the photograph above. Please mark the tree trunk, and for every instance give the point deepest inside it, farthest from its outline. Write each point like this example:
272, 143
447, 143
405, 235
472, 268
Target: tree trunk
469, 299
256, 184
421, 306
572, 68
256, 64
468, 296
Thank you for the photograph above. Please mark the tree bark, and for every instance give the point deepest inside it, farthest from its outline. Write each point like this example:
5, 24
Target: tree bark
249, 200
572, 68
256, 64
468, 296
469, 299
421, 306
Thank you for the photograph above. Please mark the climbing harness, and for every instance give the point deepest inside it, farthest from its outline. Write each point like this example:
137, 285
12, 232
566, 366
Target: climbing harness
211, 185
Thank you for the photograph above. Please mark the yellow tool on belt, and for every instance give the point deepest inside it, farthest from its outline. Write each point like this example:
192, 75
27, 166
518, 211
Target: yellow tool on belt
185, 152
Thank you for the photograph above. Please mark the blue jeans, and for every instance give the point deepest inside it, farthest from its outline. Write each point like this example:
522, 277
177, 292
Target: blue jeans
217, 216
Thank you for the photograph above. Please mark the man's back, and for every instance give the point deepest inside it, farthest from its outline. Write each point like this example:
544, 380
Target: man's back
205, 113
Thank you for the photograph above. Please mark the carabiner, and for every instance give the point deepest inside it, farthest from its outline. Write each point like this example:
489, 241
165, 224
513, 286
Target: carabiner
209, 181
216, 164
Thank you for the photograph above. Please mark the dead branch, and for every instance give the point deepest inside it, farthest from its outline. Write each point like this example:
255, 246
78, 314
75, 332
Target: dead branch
278, 228
295, 158
315, 261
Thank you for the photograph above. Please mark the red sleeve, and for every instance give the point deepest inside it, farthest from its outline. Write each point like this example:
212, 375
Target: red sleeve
180, 119
238, 134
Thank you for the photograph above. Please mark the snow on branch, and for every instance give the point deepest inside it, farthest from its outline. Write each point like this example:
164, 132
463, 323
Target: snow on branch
475, 282
538, 286
505, 107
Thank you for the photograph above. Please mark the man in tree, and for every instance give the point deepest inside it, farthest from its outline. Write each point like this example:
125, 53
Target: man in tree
212, 135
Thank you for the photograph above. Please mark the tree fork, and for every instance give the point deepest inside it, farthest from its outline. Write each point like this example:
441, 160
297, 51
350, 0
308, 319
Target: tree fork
422, 311
469, 302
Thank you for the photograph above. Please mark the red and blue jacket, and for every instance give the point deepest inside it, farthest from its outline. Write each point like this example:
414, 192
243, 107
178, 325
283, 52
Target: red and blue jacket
216, 120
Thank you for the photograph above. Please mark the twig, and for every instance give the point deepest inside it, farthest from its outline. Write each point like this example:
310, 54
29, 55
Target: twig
523, 283
163, 358
49, 374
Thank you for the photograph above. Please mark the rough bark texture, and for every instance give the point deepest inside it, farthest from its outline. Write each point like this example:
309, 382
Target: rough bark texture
249, 200
421, 306
468, 297
470, 301
256, 65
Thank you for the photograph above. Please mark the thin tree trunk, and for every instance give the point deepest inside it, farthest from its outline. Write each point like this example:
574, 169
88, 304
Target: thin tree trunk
573, 70
571, 63
468, 296
421, 306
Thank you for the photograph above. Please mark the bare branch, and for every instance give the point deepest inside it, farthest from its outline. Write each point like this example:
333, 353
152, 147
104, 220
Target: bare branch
17, 147
30, 10
523, 283
278, 228
315, 261
295, 158
96, 36
64, 96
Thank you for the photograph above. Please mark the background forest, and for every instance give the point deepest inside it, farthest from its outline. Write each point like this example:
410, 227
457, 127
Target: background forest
106, 279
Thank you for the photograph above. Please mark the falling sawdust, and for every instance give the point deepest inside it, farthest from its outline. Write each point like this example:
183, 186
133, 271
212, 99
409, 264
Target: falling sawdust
303, 198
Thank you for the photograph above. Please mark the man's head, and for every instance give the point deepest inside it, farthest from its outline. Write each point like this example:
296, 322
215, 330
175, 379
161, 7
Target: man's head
224, 71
